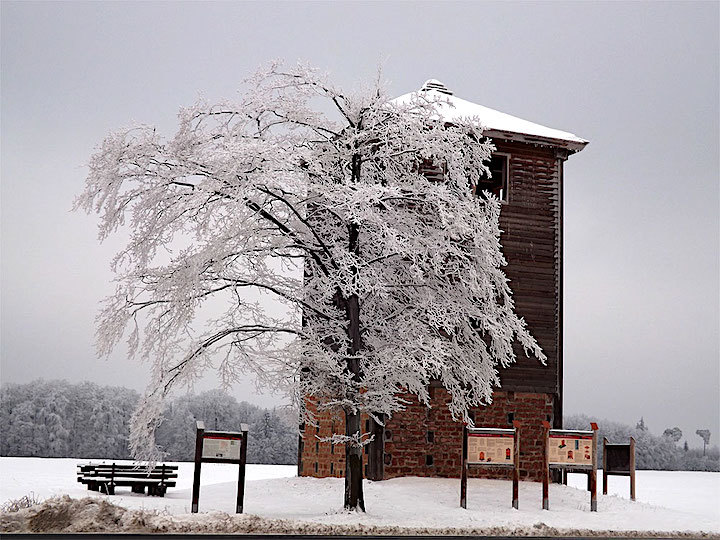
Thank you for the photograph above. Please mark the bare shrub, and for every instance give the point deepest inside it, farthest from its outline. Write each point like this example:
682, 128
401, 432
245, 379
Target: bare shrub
25, 501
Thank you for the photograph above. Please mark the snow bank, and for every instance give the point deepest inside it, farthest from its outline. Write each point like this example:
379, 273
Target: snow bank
278, 501
67, 515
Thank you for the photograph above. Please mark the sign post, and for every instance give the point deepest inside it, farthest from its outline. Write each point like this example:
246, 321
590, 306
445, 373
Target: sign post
220, 447
619, 460
571, 451
491, 447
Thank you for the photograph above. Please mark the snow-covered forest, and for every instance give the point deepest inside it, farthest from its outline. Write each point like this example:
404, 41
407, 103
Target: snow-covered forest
60, 419
84, 420
656, 452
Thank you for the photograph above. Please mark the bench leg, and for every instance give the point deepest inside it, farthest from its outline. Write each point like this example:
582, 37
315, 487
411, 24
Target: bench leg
93, 487
138, 489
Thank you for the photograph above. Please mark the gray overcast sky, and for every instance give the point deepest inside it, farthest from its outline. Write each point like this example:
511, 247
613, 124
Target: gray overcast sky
639, 80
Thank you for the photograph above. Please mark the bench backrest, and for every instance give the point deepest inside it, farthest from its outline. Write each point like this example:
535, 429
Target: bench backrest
132, 471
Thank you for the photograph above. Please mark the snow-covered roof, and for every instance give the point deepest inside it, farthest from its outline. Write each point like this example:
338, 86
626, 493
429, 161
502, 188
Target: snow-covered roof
496, 123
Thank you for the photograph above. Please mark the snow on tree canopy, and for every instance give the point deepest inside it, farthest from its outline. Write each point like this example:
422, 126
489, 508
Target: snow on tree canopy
451, 108
388, 279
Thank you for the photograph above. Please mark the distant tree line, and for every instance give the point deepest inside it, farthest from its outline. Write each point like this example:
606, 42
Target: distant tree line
657, 452
60, 419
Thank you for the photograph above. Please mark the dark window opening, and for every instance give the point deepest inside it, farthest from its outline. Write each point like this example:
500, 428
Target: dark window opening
431, 436
432, 171
429, 460
511, 417
332, 467
548, 418
497, 182
332, 448
387, 459
316, 466
317, 430
317, 447
388, 435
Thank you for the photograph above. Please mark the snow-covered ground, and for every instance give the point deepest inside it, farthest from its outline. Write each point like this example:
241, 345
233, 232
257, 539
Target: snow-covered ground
667, 501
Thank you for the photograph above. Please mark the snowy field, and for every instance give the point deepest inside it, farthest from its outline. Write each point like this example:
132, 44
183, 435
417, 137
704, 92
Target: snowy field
667, 501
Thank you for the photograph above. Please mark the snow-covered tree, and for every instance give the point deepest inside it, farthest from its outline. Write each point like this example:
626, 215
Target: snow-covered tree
705, 435
674, 434
302, 196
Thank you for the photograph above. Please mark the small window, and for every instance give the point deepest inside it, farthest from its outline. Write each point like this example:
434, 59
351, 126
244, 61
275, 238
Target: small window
497, 182
332, 467
510, 417
431, 436
429, 460
317, 447
316, 466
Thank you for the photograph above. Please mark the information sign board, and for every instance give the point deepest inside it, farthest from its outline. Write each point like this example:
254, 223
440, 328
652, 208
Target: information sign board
619, 460
570, 449
222, 447
491, 448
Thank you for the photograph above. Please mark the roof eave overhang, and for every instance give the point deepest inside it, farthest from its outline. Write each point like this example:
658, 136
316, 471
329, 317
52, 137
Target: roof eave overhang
571, 146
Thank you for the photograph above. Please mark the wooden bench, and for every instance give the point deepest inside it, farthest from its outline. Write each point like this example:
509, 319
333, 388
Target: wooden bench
105, 477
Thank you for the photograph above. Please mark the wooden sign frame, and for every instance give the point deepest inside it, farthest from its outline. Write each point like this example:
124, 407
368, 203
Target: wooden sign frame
200, 438
612, 469
590, 469
513, 432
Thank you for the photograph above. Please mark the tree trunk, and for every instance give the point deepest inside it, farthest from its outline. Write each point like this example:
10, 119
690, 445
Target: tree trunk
354, 497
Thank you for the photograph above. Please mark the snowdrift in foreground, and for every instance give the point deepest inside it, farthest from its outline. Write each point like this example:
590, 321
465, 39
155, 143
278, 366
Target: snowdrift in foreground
67, 515
277, 500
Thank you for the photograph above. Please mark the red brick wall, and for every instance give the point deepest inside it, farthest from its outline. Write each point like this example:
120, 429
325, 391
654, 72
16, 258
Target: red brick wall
407, 445
322, 459
406, 436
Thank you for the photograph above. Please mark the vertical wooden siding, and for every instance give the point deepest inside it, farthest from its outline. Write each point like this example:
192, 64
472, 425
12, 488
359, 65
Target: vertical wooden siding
531, 240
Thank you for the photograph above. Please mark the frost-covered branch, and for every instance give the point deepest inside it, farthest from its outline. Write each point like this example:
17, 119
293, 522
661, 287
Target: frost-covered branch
267, 236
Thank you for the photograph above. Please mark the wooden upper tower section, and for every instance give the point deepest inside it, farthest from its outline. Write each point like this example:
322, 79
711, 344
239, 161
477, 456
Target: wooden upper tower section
527, 176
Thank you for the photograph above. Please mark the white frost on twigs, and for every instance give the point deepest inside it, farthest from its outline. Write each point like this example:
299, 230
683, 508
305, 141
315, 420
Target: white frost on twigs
241, 256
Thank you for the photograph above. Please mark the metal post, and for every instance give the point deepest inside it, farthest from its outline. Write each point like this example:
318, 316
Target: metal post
593, 474
605, 473
241, 474
198, 457
463, 470
516, 467
632, 468
546, 467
